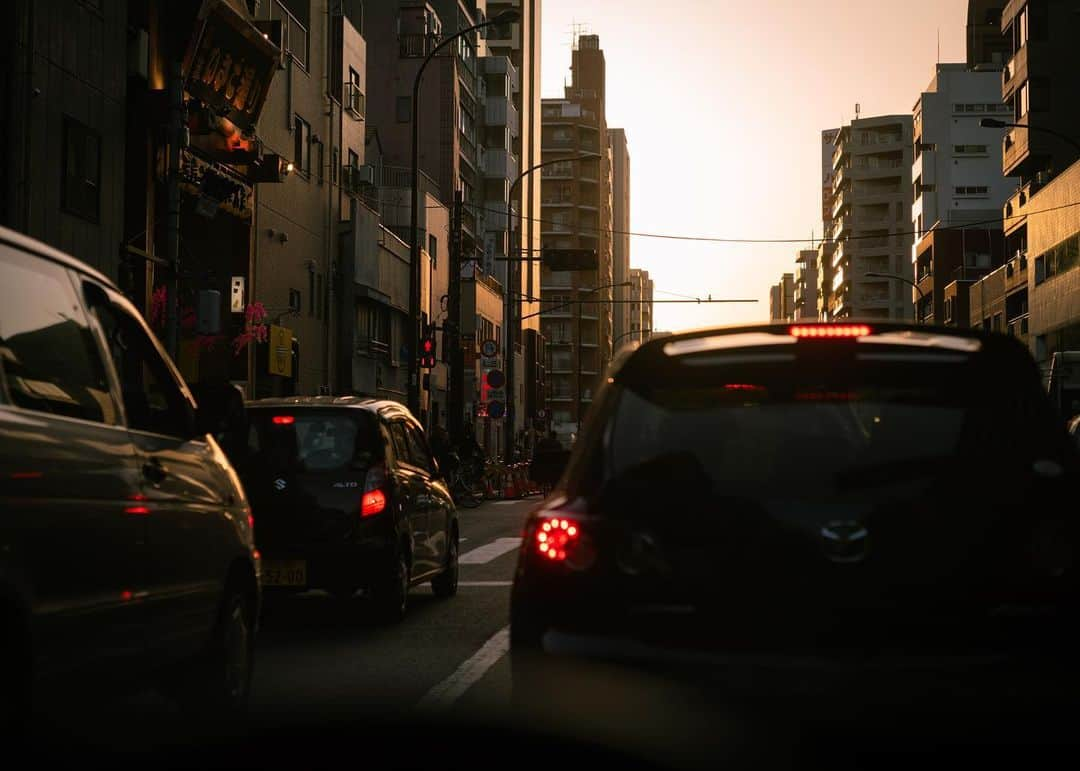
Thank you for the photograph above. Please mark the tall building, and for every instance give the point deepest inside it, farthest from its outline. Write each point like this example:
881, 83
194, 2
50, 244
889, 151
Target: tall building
480, 126
957, 183
782, 299
63, 107
1031, 296
620, 243
827, 246
985, 45
577, 214
641, 306
806, 285
872, 219
516, 50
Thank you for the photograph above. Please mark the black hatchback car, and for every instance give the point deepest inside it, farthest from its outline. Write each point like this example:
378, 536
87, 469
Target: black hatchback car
348, 497
825, 489
126, 544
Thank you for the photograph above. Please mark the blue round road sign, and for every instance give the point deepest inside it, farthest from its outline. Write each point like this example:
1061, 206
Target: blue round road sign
496, 409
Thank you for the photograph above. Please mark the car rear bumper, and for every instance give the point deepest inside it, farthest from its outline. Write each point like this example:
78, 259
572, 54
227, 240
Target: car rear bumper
346, 566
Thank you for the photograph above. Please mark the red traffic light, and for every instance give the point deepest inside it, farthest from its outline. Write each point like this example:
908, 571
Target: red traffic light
427, 351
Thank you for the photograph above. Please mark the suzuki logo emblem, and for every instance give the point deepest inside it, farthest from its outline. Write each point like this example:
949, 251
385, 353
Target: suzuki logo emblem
845, 541
279, 484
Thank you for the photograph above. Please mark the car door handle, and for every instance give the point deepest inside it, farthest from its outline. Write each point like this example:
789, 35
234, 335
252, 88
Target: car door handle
155, 471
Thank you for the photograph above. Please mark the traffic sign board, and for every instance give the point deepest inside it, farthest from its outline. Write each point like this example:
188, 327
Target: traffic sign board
496, 379
541, 414
489, 348
495, 395
496, 409
490, 363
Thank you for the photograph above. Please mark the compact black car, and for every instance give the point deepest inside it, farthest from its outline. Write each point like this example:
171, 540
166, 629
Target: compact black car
126, 543
811, 489
348, 497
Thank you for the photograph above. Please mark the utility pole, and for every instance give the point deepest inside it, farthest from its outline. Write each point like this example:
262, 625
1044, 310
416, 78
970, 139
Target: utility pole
577, 351
172, 221
455, 353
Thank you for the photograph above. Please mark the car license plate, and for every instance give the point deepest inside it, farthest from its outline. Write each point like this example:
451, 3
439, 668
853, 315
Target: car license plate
284, 573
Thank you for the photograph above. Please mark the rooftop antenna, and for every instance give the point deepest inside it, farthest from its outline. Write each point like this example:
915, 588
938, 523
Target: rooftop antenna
939, 45
858, 109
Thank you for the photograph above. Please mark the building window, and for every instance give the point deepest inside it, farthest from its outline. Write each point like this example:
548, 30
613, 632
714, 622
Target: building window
294, 300
302, 145
295, 17
404, 109
970, 149
81, 162
1022, 30
354, 96
433, 248
971, 190
997, 322
319, 159
1023, 100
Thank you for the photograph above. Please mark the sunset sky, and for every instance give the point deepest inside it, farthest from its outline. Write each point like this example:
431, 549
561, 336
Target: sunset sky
723, 102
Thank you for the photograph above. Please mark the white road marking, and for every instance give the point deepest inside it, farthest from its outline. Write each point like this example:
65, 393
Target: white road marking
488, 552
485, 583
505, 503
452, 688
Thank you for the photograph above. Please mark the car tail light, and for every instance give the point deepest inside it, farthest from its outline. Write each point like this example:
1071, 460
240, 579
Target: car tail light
283, 420
560, 540
829, 330
373, 500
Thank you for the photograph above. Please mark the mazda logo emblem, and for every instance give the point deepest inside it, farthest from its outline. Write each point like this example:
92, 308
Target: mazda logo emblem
279, 484
845, 541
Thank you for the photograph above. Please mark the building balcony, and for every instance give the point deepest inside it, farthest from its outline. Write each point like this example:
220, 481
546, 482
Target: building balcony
1017, 206
1015, 71
501, 65
499, 164
500, 111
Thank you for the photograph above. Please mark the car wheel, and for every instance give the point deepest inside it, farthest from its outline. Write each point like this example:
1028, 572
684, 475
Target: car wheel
446, 583
219, 681
392, 597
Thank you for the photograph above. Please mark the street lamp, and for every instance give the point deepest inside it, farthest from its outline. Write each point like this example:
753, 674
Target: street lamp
897, 277
631, 332
995, 123
508, 16
508, 311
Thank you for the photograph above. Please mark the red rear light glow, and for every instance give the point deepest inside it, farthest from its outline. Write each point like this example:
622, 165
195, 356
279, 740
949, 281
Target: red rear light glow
829, 330
373, 502
284, 420
555, 536
139, 510
743, 387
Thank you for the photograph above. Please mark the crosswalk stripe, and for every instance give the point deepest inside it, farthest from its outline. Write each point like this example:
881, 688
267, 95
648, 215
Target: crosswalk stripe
488, 552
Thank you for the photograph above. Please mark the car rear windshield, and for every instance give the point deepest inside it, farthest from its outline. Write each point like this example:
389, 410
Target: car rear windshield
311, 440
817, 429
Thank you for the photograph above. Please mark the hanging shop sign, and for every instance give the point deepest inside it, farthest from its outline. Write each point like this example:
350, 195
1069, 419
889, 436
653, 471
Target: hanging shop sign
230, 64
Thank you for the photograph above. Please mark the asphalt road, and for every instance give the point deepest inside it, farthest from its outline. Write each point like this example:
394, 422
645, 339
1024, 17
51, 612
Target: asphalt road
317, 653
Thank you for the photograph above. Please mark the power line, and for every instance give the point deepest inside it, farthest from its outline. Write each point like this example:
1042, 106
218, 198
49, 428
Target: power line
803, 240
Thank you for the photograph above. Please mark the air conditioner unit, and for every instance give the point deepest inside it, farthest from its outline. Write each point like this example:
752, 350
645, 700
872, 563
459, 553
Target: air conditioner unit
364, 175
354, 101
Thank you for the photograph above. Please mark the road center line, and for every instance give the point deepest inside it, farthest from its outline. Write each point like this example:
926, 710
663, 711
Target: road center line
488, 552
452, 688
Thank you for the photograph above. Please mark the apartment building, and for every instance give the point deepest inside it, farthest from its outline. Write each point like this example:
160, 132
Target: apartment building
827, 246
577, 213
872, 198
985, 44
806, 285
782, 299
1033, 291
620, 238
957, 186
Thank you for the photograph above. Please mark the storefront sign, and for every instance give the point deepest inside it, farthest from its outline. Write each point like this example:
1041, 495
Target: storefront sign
230, 64
280, 358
